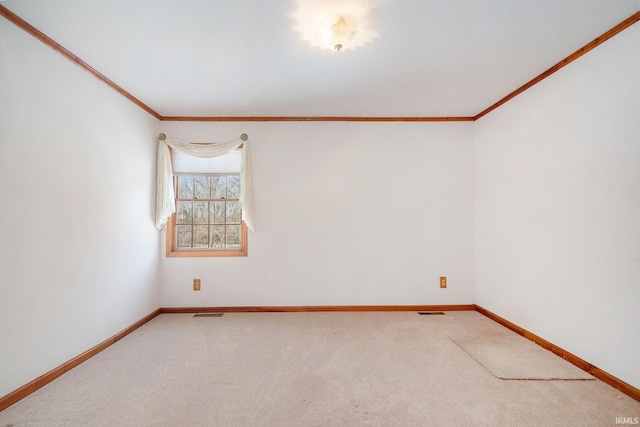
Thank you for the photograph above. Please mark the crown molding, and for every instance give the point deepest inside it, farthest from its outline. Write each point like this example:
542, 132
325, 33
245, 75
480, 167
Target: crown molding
569, 59
24, 25
312, 119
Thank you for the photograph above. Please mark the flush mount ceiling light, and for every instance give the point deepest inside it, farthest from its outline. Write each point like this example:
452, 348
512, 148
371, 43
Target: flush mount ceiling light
337, 31
335, 25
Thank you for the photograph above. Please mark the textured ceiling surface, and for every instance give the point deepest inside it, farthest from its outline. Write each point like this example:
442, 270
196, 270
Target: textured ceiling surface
249, 58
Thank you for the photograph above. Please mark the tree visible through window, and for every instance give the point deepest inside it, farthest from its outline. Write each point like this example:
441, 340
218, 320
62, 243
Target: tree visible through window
208, 211
208, 216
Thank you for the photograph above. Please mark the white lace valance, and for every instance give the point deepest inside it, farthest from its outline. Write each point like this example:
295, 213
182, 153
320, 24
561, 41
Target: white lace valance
165, 196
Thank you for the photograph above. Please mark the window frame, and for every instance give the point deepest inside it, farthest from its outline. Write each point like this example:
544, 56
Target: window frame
171, 240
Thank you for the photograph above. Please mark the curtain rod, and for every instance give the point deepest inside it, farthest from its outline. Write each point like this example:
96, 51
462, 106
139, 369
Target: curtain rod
163, 137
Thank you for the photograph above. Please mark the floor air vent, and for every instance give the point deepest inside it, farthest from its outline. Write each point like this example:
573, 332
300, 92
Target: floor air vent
208, 315
424, 313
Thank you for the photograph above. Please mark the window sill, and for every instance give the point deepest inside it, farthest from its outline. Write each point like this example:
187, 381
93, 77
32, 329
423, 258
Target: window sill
205, 253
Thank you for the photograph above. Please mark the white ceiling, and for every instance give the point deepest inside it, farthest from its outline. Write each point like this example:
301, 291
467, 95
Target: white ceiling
244, 57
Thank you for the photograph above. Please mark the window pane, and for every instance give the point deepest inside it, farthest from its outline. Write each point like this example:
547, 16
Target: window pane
217, 212
200, 236
184, 236
233, 187
208, 212
233, 212
200, 212
203, 187
185, 214
233, 236
185, 187
219, 187
217, 236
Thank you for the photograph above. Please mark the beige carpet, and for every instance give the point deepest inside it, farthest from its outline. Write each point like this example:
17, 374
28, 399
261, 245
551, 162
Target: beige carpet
309, 369
513, 357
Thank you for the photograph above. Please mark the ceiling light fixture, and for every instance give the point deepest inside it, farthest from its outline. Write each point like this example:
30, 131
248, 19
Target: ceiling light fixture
335, 25
337, 31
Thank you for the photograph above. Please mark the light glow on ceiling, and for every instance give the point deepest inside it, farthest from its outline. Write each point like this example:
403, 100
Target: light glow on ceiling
335, 25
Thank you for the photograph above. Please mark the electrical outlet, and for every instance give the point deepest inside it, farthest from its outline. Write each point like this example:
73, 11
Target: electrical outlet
196, 284
443, 281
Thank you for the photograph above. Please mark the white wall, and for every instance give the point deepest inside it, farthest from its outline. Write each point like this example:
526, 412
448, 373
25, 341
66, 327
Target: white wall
347, 214
558, 208
78, 250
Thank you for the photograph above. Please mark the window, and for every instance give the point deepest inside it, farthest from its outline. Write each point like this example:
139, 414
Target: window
208, 218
